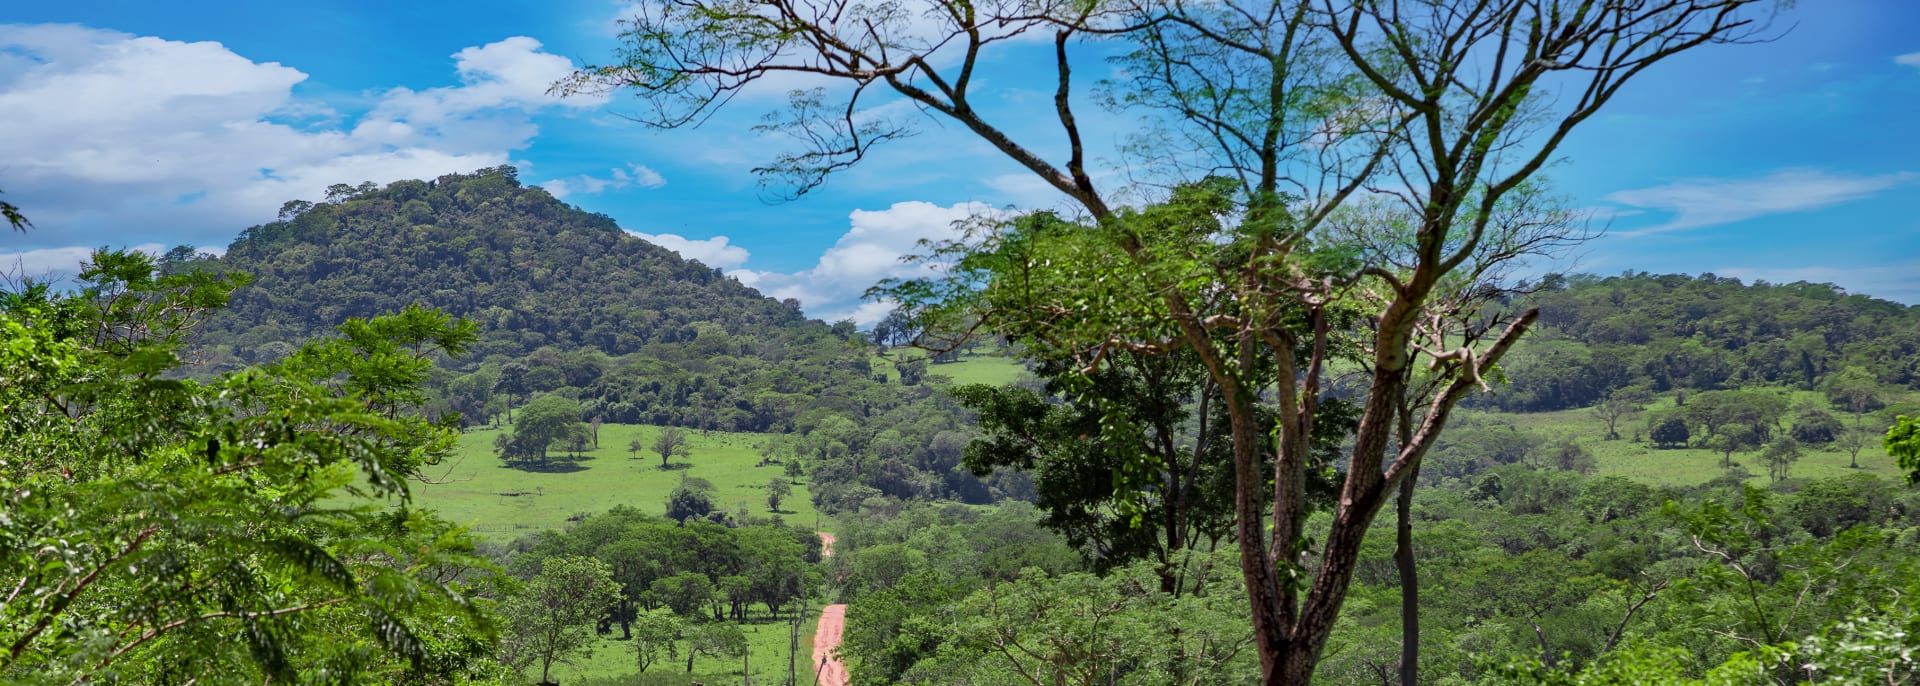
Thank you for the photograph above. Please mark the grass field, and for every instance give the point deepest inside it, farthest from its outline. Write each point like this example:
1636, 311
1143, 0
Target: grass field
973, 367
502, 503
1687, 466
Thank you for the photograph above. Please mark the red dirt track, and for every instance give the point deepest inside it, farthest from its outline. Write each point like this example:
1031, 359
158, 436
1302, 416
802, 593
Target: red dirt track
828, 669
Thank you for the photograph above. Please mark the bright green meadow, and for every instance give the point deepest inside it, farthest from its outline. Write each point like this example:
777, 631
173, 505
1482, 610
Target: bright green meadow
501, 503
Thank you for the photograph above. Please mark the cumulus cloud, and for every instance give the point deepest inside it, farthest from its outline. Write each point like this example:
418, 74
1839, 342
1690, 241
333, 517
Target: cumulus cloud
716, 252
871, 250
634, 175
1696, 203
196, 140
57, 264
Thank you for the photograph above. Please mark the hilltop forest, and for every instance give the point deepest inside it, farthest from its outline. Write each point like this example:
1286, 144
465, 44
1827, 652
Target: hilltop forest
1295, 410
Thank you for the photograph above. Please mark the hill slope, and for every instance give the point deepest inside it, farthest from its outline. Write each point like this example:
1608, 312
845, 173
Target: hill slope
568, 304
1674, 332
564, 301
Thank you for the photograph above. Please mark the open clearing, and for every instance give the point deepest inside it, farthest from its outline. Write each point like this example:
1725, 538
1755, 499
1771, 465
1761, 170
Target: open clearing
502, 503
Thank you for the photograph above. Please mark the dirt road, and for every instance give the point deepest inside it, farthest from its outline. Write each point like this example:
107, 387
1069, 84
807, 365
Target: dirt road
831, 671
833, 618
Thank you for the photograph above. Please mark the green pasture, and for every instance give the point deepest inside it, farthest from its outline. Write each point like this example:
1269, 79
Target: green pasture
1689, 466
502, 503
972, 367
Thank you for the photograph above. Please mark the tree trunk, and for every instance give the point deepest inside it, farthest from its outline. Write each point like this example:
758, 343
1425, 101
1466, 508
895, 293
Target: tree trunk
1409, 585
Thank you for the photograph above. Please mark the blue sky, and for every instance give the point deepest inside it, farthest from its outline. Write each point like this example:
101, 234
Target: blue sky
154, 124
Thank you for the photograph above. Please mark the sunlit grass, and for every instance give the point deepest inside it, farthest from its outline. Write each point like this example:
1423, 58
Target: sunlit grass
502, 503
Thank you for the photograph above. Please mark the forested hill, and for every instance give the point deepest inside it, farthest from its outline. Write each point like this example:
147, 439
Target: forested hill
527, 268
1653, 333
564, 301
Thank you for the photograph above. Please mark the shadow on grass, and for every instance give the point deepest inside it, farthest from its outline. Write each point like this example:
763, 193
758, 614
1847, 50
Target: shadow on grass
674, 467
554, 467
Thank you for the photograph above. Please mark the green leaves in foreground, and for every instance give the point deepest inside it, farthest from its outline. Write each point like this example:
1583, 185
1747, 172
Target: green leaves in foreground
158, 529
1903, 443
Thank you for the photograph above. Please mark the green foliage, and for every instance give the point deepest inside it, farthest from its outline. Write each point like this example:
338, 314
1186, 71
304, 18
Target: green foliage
1903, 443
693, 498
1674, 332
778, 488
656, 633
1671, 432
669, 443
14, 217
1081, 628
547, 420
548, 621
716, 640
154, 527
643, 336
1779, 457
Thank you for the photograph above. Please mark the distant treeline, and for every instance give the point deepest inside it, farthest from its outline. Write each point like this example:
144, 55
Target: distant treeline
1675, 332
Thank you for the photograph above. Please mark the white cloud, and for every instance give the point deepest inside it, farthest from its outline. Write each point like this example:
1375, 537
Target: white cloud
716, 252
57, 264
871, 250
1899, 281
196, 140
1696, 203
1911, 59
634, 175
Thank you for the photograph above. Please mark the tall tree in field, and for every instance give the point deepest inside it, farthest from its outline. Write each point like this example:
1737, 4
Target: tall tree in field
1855, 391
671, 443
778, 488
512, 381
544, 421
1370, 157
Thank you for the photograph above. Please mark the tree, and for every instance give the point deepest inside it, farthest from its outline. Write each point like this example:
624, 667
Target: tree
1855, 391
691, 499
671, 442
1569, 455
1735, 440
656, 633
686, 593
911, 371
1779, 457
777, 490
543, 421
1616, 407
1671, 432
512, 381
1442, 109
156, 524
715, 640
552, 619
1814, 427
579, 437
